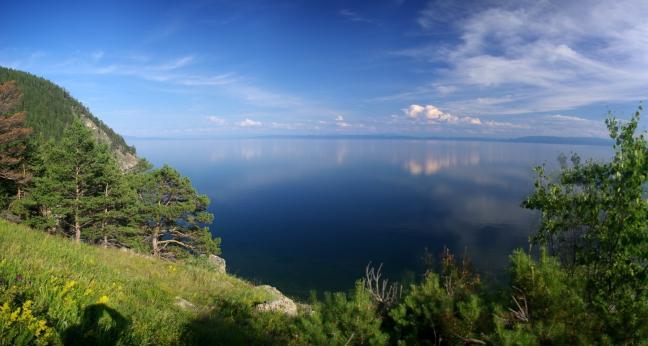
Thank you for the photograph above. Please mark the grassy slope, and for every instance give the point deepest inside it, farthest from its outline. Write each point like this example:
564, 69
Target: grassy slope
140, 288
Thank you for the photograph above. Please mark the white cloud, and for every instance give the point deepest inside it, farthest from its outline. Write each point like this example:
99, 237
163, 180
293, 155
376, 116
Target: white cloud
414, 111
434, 114
216, 120
339, 121
567, 118
249, 123
536, 56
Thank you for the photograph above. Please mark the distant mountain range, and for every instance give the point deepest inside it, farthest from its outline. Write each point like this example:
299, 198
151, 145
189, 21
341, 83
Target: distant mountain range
526, 139
563, 140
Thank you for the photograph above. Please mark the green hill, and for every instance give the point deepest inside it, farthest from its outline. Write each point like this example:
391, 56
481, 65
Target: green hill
50, 109
83, 291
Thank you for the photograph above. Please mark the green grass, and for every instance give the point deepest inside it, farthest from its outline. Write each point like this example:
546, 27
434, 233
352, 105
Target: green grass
136, 296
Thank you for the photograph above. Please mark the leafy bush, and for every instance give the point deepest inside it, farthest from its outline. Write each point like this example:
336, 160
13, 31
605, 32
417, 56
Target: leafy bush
595, 216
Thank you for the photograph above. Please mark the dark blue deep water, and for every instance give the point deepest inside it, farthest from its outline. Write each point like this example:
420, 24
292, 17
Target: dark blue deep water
308, 214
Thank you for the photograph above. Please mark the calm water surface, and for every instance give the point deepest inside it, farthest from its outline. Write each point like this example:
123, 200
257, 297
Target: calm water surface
304, 214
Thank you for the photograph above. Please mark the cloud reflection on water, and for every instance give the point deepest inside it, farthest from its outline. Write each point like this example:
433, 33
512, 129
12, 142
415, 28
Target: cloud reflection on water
281, 205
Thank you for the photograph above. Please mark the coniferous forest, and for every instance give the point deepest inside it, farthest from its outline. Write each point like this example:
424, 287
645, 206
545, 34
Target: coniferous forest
65, 280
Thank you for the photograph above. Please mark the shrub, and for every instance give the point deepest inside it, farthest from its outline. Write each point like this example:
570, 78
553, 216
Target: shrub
546, 305
443, 310
342, 319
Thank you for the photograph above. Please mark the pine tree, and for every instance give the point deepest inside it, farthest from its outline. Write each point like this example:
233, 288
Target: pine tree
73, 186
174, 215
13, 139
117, 201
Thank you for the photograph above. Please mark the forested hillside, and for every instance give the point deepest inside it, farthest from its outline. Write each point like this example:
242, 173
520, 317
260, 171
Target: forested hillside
50, 109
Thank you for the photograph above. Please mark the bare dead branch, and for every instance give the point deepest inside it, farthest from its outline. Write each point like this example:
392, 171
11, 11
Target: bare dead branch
384, 294
521, 313
348, 342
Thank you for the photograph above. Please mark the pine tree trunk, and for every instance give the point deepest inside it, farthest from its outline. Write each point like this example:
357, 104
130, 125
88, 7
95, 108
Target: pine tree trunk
77, 225
19, 193
77, 228
105, 218
156, 249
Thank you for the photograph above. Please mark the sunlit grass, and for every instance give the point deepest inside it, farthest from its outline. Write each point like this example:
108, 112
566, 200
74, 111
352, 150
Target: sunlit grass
62, 279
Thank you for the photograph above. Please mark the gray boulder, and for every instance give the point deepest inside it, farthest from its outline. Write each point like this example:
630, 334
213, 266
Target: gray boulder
280, 303
218, 263
185, 304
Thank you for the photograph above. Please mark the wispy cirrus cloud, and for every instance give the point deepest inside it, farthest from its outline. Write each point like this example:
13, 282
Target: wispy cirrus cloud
530, 56
170, 70
181, 71
353, 16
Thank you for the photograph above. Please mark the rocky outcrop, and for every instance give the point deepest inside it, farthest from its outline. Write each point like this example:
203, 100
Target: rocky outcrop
218, 263
125, 159
279, 303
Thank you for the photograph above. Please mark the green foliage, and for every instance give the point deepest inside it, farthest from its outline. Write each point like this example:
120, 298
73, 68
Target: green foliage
444, 309
20, 327
342, 319
595, 215
74, 189
228, 323
116, 203
80, 190
122, 298
546, 305
50, 109
174, 214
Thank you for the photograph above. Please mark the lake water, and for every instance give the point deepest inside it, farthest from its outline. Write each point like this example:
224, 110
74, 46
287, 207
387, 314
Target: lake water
304, 214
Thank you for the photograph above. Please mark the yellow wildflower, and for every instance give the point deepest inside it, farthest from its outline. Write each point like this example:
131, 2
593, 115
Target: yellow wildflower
103, 300
26, 311
69, 285
42, 327
14, 315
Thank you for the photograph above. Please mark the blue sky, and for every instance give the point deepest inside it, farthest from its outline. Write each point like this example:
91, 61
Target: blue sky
438, 68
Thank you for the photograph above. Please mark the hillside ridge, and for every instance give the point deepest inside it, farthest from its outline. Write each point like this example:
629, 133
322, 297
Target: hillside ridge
50, 109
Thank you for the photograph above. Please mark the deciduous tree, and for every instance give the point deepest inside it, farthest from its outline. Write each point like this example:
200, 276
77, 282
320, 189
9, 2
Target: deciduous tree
595, 215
